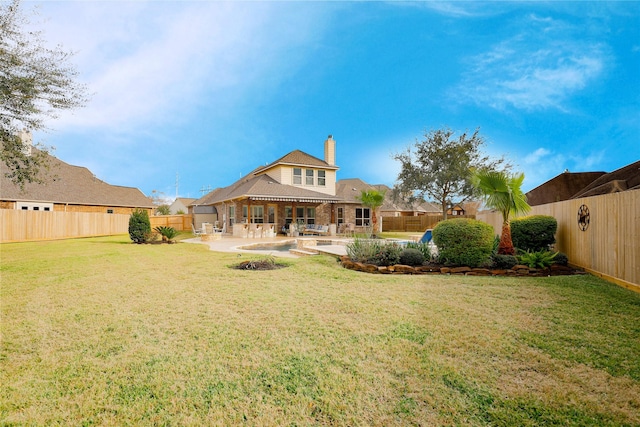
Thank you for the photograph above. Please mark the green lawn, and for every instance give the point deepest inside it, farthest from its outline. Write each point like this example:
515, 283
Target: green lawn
104, 332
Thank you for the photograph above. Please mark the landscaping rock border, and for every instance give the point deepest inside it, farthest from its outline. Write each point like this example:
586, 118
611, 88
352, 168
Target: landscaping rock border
517, 270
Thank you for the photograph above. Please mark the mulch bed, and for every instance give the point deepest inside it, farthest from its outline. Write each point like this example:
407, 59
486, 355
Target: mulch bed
517, 270
259, 265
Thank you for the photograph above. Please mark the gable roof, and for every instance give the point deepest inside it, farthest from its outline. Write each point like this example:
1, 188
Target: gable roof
350, 189
571, 185
76, 185
625, 178
561, 187
296, 158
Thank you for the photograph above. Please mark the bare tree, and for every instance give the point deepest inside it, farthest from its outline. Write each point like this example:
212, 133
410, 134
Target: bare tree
36, 82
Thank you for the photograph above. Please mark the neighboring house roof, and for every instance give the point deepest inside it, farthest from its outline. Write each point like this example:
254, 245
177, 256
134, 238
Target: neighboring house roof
625, 178
185, 200
65, 183
571, 185
561, 187
263, 187
350, 190
296, 158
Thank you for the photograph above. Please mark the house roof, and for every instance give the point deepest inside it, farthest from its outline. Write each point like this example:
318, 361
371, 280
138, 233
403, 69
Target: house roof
65, 183
561, 187
570, 185
186, 201
296, 158
625, 178
350, 189
264, 187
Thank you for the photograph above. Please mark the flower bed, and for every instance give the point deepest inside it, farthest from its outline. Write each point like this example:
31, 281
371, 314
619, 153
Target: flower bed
517, 270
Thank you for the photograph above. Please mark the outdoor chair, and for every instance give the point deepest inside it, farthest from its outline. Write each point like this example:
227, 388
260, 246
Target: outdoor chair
427, 236
196, 232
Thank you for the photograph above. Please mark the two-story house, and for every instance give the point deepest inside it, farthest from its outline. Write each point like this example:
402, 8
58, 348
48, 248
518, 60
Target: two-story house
296, 188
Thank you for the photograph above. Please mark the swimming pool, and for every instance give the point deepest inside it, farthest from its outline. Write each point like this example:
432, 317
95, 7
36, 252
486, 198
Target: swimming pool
283, 246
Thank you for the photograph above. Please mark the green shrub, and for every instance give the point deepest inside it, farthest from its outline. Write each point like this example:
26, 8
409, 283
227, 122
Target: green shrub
139, 226
167, 233
534, 233
422, 247
412, 257
363, 250
561, 258
463, 241
503, 262
539, 259
388, 254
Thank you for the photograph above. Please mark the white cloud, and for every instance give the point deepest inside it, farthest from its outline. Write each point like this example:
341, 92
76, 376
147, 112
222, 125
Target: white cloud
536, 156
539, 68
154, 61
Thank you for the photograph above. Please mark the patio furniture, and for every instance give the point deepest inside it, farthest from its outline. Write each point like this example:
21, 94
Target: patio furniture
348, 229
196, 232
315, 230
427, 236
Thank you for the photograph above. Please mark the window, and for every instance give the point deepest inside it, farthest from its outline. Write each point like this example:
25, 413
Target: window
288, 215
309, 177
363, 217
257, 214
311, 215
245, 213
297, 176
109, 211
299, 214
36, 208
271, 214
322, 178
232, 215
25, 208
340, 216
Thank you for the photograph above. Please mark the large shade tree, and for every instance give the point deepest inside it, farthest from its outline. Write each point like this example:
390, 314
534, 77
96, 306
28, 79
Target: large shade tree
36, 82
439, 167
502, 191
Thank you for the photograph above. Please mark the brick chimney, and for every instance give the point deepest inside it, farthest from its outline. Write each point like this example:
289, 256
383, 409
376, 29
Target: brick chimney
27, 141
330, 151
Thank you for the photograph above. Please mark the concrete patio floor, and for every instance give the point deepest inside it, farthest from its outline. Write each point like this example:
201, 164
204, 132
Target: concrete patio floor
229, 243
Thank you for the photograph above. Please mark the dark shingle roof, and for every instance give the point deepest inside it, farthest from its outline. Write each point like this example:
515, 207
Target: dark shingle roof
65, 183
625, 178
297, 158
263, 187
350, 189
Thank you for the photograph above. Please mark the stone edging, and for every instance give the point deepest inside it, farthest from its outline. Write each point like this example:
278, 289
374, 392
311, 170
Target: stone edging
517, 270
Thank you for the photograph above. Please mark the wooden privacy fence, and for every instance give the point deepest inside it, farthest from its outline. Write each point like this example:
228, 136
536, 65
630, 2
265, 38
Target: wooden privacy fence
414, 223
609, 245
21, 226
179, 222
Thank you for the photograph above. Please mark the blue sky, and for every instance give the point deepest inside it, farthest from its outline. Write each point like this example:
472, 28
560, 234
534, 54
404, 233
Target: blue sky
210, 90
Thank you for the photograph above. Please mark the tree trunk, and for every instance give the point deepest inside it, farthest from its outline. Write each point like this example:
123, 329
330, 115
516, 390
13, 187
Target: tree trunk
506, 244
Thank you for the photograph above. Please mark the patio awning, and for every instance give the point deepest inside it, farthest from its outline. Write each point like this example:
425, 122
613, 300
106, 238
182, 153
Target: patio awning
291, 199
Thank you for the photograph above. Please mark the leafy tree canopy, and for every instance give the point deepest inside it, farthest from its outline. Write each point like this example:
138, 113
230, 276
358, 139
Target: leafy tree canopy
441, 165
36, 82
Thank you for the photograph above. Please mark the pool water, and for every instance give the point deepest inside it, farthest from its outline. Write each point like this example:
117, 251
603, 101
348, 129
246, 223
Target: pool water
280, 247
283, 247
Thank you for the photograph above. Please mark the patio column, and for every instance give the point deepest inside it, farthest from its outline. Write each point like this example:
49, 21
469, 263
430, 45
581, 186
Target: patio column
248, 211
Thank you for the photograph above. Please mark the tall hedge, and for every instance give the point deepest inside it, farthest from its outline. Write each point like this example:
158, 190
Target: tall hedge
139, 226
463, 241
534, 233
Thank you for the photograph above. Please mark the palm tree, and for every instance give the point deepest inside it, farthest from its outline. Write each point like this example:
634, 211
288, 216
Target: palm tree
372, 199
501, 191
